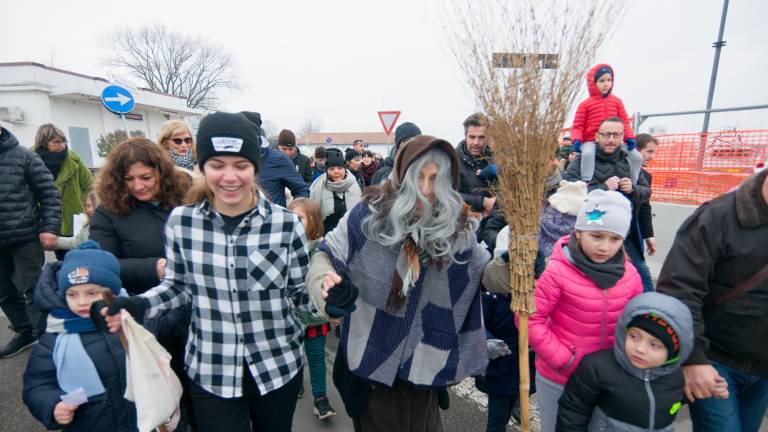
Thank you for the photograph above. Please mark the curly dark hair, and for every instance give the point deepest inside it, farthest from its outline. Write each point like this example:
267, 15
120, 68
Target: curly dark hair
110, 186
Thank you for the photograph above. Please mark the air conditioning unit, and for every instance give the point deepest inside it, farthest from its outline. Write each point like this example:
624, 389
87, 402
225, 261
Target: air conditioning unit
11, 114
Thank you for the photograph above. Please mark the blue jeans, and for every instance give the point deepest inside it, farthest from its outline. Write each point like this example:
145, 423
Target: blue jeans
744, 409
638, 260
499, 412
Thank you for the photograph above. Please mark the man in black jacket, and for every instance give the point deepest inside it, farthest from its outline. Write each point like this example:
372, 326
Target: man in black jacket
286, 143
476, 167
719, 248
612, 173
30, 216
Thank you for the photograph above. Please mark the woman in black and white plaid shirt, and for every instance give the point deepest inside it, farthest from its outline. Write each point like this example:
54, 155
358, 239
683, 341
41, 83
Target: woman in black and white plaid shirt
240, 261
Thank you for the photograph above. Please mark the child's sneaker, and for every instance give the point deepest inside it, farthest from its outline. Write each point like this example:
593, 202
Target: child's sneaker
323, 408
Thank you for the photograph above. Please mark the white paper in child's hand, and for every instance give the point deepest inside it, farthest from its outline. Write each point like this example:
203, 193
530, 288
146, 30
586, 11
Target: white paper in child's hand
76, 397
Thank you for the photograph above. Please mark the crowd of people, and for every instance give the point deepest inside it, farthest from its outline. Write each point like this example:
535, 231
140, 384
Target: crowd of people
241, 258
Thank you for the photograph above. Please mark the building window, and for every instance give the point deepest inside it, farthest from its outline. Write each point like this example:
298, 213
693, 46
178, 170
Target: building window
80, 142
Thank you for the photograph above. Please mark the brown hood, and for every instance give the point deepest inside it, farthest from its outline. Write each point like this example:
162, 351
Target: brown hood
751, 208
417, 146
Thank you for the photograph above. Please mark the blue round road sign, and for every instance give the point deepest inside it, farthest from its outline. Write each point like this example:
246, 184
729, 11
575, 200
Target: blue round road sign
117, 99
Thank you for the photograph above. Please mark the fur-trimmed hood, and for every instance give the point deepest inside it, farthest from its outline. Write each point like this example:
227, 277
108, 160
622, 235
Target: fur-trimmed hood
751, 208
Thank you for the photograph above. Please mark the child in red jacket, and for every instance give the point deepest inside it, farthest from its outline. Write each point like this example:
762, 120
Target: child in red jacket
600, 105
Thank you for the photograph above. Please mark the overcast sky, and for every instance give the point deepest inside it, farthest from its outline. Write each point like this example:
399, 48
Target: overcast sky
342, 61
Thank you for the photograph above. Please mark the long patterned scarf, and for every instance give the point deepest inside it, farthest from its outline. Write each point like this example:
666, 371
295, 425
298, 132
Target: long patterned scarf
184, 161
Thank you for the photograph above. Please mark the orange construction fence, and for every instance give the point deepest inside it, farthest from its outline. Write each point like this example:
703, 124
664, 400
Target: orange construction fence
694, 168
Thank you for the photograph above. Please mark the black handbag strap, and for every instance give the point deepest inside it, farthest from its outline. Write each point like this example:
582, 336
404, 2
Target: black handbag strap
743, 287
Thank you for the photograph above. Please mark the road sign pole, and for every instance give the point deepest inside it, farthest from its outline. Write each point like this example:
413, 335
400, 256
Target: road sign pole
388, 149
125, 126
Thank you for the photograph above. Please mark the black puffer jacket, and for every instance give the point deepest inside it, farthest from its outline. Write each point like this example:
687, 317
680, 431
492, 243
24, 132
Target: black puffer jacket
303, 166
607, 392
137, 240
607, 166
722, 244
106, 412
471, 187
29, 201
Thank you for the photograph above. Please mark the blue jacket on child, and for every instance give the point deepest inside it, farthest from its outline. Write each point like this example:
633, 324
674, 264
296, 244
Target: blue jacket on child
109, 411
502, 377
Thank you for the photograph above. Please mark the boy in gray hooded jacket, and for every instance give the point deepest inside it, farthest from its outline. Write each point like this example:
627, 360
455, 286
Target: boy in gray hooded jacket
637, 385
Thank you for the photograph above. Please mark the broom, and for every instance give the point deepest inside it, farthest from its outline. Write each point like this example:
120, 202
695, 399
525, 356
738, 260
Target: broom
526, 93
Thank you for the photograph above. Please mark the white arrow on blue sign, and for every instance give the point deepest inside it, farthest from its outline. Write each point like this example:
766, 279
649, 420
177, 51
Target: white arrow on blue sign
117, 99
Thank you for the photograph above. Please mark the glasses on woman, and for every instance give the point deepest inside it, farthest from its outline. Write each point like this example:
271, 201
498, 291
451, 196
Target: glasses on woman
180, 141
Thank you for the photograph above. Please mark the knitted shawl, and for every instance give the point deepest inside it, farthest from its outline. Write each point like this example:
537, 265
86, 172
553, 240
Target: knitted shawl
436, 339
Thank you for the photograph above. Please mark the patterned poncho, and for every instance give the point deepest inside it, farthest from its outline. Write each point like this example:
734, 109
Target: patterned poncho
436, 339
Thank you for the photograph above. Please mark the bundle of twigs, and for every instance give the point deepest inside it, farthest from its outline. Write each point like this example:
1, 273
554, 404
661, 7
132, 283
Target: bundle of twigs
526, 106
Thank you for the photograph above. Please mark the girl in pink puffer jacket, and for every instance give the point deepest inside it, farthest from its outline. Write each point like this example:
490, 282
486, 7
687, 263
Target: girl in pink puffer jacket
580, 296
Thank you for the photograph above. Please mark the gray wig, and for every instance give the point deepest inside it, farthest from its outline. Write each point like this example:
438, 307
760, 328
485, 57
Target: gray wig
438, 230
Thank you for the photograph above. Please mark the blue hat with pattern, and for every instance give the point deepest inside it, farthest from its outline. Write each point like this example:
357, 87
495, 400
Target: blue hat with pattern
89, 264
605, 211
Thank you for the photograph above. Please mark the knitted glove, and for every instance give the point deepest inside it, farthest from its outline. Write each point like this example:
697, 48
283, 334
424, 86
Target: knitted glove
489, 173
497, 348
577, 146
135, 305
631, 143
505, 256
95, 313
341, 298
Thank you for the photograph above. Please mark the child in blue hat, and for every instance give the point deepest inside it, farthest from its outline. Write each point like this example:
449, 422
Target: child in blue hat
75, 377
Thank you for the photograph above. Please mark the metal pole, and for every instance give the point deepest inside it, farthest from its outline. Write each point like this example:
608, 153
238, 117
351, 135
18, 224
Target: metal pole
125, 126
717, 45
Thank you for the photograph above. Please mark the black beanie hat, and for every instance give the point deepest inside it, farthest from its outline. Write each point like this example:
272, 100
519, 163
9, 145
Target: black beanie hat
334, 158
351, 153
229, 134
286, 138
660, 329
405, 131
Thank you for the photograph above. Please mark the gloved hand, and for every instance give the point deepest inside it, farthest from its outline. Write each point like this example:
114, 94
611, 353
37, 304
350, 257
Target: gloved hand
341, 298
135, 305
95, 313
505, 256
497, 348
489, 173
577, 146
631, 143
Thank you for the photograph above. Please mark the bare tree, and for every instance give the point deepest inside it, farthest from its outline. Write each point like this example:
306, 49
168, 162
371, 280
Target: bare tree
270, 129
171, 62
526, 94
308, 127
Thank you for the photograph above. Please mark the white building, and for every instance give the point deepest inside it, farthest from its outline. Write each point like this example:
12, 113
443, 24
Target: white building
32, 94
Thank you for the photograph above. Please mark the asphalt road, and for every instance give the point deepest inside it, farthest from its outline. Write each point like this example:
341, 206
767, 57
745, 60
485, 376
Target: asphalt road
466, 414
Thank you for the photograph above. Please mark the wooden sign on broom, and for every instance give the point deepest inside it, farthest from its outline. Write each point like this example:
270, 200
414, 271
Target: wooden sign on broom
526, 91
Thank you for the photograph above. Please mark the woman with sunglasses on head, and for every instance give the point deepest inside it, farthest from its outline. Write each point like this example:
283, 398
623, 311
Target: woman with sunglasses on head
176, 138
71, 177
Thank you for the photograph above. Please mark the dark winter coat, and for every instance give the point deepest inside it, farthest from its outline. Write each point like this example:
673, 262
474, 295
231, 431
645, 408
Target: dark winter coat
137, 240
608, 393
303, 166
383, 172
106, 412
471, 187
29, 201
276, 173
502, 377
722, 244
645, 214
607, 166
